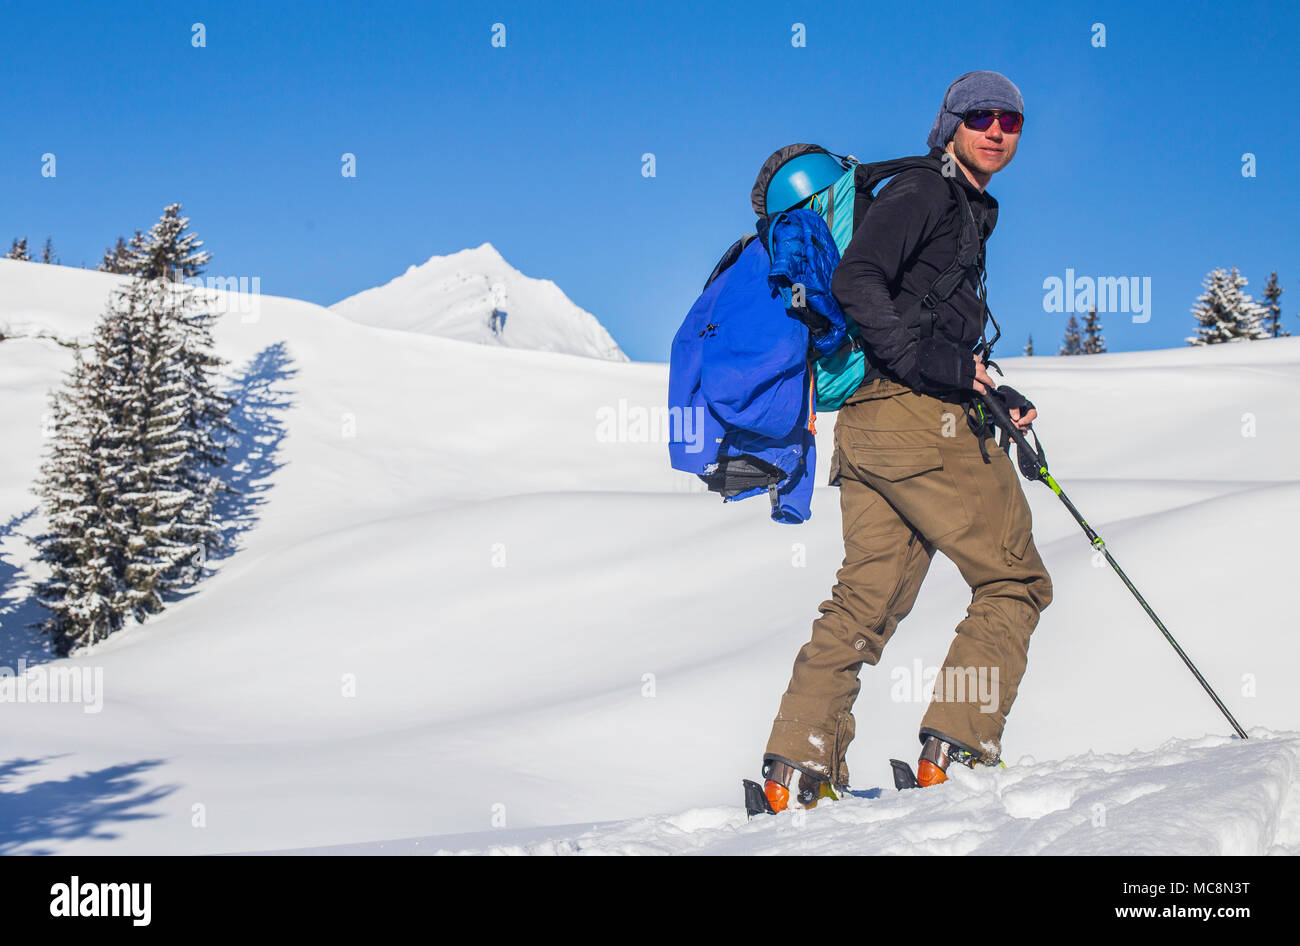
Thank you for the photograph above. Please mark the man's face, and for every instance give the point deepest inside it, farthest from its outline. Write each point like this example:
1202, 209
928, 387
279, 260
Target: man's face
986, 152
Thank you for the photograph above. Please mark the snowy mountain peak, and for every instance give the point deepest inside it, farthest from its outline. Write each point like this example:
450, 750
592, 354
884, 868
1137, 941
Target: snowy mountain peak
485, 254
474, 295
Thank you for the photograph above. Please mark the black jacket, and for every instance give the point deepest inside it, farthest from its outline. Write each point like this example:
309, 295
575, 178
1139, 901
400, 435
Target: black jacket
909, 236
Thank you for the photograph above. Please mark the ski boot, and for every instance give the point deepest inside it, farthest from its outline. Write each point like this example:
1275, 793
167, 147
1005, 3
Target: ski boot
774, 795
936, 755
932, 767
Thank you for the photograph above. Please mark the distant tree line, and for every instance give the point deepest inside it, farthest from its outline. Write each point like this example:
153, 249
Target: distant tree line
124, 257
18, 250
1224, 313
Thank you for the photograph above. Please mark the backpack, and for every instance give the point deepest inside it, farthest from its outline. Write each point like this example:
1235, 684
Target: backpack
750, 367
839, 372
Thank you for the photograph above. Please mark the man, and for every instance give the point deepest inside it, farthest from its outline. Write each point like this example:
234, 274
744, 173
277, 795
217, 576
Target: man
916, 473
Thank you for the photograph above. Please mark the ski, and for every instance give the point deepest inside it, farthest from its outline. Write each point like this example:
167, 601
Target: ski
904, 777
756, 802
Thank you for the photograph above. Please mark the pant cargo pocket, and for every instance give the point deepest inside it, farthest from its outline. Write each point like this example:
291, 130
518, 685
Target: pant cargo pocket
1018, 527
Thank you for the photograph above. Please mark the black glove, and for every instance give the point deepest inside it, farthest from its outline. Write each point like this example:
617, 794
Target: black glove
1029, 464
1013, 400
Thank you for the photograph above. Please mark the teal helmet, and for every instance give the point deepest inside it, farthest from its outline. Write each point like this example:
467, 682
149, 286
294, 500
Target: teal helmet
792, 175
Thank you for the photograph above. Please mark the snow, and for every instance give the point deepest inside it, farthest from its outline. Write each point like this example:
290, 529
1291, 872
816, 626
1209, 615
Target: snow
463, 295
1229, 797
461, 619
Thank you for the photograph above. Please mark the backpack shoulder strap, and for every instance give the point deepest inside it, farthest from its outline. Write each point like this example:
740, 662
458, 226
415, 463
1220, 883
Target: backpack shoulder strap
970, 256
867, 177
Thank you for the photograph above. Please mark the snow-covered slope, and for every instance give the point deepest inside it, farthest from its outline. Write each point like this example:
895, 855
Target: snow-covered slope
1213, 795
462, 608
476, 296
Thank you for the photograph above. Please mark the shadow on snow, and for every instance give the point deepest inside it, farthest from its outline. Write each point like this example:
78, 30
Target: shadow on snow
18, 606
257, 415
78, 807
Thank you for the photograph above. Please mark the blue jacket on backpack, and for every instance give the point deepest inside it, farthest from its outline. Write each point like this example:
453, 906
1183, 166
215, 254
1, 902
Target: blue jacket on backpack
739, 383
804, 253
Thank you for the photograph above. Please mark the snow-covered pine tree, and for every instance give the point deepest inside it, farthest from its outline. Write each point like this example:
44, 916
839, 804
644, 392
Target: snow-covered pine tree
206, 428
128, 483
117, 258
1029, 348
47, 254
170, 254
110, 261
83, 592
172, 518
1226, 314
1094, 343
107, 546
1273, 307
18, 250
1073, 344
167, 251
130, 479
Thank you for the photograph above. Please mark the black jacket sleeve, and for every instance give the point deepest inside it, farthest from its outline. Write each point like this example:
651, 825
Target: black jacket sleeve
897, 224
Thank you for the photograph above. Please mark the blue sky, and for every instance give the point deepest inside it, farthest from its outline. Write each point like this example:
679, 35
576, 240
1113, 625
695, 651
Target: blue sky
1130, 162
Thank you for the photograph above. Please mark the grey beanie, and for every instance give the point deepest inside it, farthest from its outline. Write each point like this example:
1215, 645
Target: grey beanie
973, 90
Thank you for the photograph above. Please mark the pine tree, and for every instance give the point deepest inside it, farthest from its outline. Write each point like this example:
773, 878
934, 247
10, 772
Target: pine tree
1029, 348
205, 425
1094, 343
47, 254
117, 258
82, 592
91, 485
167, 251
1072, 345
18, 250
129, 482
1273, 307
169, 254
1226, 314
166, 508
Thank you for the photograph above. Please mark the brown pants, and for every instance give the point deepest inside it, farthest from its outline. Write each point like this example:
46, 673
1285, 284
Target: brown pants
913, 481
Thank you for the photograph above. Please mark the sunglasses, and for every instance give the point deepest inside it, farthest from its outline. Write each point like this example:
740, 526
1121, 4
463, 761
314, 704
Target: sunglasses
981, 119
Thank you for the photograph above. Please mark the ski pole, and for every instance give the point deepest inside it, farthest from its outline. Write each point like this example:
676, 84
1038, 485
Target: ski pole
1033, 464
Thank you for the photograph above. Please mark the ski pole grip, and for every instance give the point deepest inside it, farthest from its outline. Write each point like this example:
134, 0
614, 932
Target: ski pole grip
998, 410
